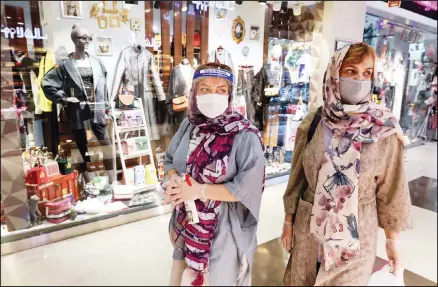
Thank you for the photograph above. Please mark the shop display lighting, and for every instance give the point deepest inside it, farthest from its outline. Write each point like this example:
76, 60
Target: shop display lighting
276, 6
296, 8
184, 6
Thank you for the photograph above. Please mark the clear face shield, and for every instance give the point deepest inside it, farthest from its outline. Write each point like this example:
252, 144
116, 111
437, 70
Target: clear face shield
211, 94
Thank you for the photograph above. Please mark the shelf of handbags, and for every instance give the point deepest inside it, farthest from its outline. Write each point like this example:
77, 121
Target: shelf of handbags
131, 134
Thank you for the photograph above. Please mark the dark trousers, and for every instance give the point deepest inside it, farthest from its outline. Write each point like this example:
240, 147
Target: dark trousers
99, 131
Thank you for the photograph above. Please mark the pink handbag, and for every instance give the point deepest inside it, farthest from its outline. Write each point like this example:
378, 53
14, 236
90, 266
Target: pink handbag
128, 145
133, 118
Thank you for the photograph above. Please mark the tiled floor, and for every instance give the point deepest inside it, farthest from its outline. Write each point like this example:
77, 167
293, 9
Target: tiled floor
271, 260
140, 253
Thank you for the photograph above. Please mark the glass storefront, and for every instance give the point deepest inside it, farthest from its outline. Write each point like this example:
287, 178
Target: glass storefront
407, 65
93, 91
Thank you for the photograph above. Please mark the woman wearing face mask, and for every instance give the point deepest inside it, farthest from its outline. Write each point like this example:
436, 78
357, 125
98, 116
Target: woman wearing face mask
222, 154
347, 179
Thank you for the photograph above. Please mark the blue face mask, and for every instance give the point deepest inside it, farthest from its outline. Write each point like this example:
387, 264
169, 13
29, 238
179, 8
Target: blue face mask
354, 92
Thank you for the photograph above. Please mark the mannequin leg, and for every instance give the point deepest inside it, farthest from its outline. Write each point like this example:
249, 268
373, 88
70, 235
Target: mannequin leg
81, 142
99, 130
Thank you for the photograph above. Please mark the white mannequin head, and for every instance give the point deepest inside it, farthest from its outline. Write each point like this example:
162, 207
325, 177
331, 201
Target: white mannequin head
80, 37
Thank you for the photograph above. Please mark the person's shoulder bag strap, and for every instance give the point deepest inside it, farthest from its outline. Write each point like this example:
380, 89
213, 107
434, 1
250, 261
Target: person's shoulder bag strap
314, 125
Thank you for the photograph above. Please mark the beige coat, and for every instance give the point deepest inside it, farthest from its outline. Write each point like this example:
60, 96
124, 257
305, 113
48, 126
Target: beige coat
383, 201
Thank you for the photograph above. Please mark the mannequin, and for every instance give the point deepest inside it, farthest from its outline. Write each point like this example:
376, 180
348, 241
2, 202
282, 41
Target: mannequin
79, 84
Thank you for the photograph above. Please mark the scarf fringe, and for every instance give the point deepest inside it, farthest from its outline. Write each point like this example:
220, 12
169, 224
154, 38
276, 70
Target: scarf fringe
199, 280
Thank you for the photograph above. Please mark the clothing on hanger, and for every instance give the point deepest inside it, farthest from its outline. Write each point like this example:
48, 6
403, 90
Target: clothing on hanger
136, 67
179, 85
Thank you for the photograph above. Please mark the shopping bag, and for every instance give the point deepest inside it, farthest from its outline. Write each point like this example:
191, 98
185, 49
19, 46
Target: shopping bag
384, 277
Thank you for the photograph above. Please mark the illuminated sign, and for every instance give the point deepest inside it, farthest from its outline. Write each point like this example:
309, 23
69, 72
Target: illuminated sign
19, 32
428, 5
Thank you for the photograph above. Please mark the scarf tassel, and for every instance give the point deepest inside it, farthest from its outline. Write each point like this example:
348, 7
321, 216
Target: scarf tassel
199, 281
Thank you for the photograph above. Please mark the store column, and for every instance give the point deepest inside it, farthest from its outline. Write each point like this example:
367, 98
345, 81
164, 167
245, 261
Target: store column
342, 22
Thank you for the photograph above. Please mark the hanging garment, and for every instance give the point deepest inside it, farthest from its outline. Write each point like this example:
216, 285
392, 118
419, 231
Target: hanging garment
243, 91
47, 62
65, 81
179, 85
261, 80
136, 67
224, 57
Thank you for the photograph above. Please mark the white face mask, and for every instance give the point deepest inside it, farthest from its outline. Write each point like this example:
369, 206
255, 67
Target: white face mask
354, 92
212, 105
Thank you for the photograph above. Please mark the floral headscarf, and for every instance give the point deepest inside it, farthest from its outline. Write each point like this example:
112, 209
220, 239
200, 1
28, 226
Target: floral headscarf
334, 220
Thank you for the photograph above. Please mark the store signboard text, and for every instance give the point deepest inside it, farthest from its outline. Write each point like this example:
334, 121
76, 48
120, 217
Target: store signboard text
203, 5
429, 5
19, 32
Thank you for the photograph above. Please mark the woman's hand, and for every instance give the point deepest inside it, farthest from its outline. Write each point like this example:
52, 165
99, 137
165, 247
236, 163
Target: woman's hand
394, 255
173, 182
287, 237
185, 192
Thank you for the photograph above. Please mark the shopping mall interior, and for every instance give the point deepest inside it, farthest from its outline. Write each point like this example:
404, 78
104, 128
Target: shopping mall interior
81, 188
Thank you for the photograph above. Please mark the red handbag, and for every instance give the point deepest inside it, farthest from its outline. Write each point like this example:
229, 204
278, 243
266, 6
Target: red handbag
36, 175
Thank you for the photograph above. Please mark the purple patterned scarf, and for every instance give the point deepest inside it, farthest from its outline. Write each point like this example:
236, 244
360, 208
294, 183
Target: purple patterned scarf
211, 142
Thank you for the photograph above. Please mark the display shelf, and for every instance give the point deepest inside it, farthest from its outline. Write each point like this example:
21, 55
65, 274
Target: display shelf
136, 154
143, 187
131, 129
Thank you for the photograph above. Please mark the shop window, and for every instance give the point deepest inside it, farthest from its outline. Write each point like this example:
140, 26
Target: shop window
86, 105
406, 58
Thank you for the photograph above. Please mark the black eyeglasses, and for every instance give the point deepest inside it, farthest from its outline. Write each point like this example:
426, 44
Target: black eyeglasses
85, 38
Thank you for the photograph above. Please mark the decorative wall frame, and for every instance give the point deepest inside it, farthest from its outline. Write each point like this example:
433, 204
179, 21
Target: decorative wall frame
104, 46
71, 9
102, 22
114, 21
238, 30
254, 32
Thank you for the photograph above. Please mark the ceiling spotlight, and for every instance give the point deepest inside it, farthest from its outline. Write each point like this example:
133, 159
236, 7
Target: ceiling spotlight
296, 8
262, 2
276, 6
157, 5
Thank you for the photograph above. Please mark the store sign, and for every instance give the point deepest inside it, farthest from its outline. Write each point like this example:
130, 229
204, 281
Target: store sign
428, 5
203, 5
394, 3
19, 32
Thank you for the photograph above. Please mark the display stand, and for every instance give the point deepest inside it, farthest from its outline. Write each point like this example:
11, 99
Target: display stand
422, 132
117, 130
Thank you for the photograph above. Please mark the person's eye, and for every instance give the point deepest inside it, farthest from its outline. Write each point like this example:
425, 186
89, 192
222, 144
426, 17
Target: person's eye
204, 90
350, 71
368, 73
222, 91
